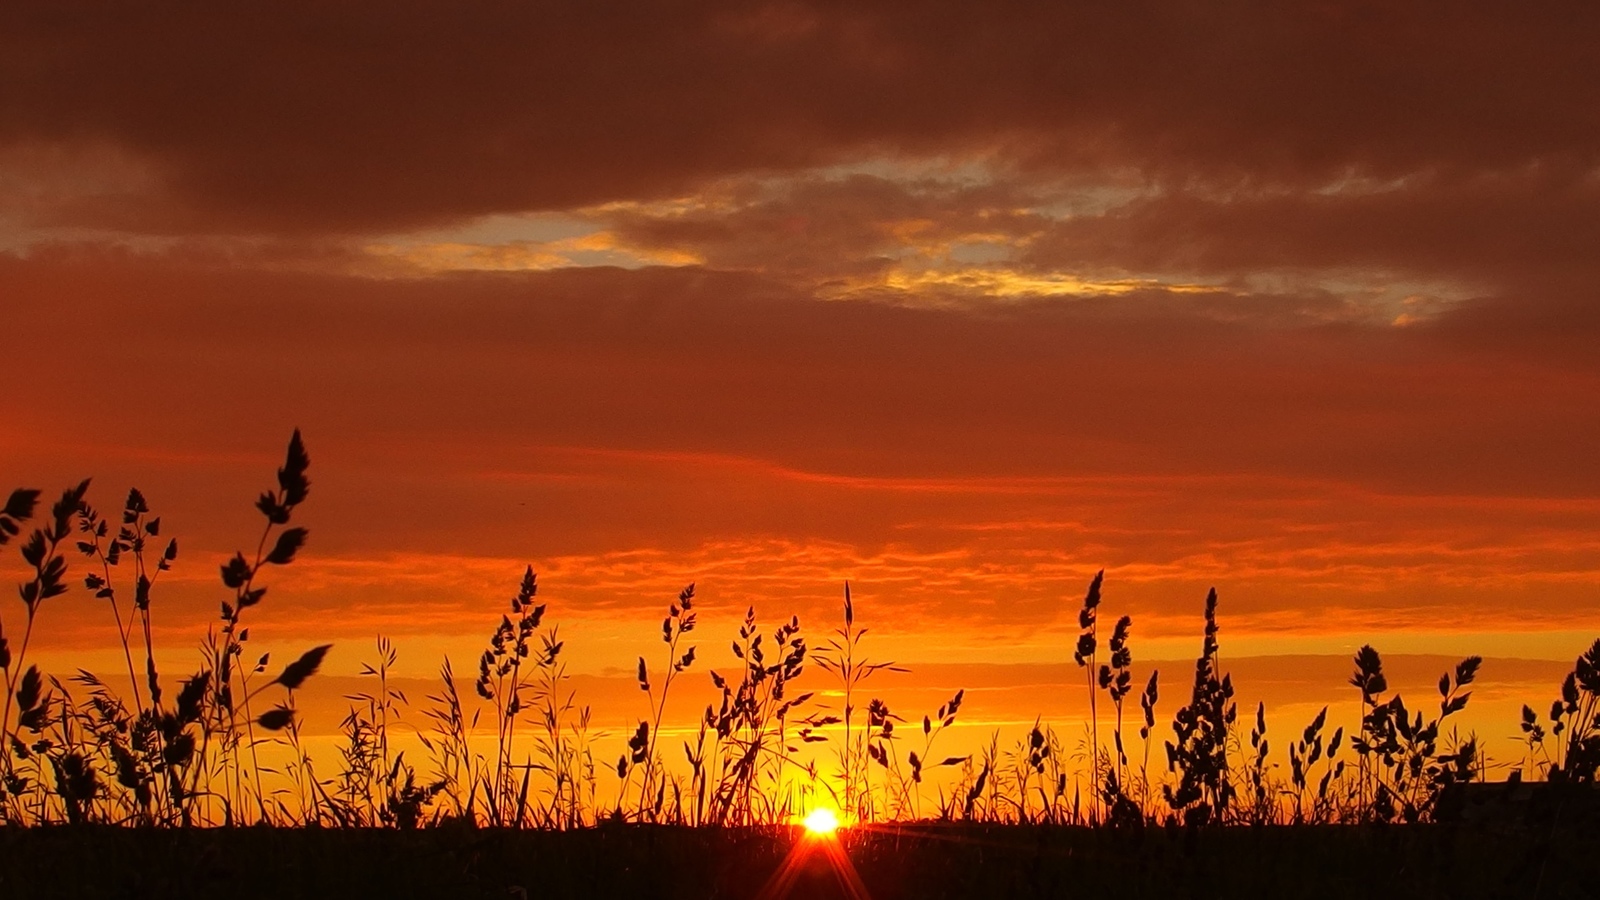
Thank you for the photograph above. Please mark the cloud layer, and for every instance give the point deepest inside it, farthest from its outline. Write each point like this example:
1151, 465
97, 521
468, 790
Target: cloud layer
361, 117
1296, 300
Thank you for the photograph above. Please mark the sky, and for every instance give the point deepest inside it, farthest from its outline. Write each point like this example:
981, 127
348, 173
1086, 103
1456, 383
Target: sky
961, 305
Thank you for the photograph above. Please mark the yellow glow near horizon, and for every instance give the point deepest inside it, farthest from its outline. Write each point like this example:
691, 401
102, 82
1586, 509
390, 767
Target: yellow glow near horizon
822, 822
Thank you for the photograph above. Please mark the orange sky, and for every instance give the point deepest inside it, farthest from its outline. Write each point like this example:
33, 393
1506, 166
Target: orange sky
1293, 301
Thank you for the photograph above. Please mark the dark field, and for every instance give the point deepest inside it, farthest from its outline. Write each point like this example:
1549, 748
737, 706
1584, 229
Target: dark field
632, 861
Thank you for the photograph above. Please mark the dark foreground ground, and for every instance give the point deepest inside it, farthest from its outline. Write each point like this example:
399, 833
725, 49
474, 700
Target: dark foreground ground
637, 862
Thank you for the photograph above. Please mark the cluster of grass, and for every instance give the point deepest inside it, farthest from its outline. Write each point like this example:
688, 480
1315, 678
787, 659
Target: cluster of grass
188, 752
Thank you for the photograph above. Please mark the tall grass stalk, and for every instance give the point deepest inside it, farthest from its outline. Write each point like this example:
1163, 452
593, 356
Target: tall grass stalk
842, 658
679, 621
1084, 654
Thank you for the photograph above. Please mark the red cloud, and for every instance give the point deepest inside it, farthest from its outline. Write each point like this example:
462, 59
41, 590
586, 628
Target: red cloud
372, 117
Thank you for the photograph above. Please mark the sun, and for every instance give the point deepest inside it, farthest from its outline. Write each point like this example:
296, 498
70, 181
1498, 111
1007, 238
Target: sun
822, 822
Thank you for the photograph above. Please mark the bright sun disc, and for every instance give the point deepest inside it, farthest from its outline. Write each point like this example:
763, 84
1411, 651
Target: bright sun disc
822, 821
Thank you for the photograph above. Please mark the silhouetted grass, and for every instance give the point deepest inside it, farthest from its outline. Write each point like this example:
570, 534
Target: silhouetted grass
83, 751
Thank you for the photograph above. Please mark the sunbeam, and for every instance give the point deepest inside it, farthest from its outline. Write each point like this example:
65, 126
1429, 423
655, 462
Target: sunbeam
818, 844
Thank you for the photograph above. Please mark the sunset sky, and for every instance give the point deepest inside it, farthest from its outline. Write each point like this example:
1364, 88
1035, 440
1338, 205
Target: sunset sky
959, 303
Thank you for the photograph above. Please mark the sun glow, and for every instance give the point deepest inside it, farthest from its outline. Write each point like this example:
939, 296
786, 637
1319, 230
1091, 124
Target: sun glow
822, 822
818, 850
